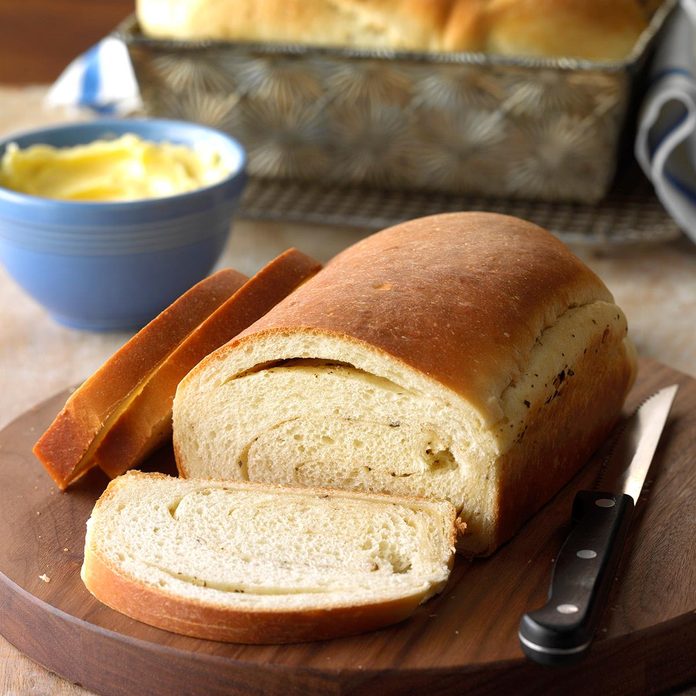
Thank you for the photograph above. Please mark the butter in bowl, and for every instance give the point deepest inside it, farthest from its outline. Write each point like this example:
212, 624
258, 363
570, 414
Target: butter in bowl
104, 223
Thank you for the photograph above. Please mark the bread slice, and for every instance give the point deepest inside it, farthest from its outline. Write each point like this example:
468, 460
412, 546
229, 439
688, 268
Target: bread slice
250, 563
146, 422
66, 448
468, 357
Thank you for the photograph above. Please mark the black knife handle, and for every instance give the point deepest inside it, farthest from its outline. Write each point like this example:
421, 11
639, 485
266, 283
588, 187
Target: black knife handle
561, 631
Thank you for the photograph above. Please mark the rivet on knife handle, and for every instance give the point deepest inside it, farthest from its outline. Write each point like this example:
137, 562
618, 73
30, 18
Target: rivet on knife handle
561, 631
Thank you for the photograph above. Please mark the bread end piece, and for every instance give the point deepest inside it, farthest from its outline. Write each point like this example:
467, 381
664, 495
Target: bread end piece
66, 446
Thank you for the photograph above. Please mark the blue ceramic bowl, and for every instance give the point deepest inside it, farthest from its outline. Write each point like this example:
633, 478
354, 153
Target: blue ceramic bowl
108, 266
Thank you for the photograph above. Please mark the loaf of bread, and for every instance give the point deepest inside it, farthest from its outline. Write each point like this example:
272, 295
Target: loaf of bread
592, 29
123, 412
468, 357
253, 564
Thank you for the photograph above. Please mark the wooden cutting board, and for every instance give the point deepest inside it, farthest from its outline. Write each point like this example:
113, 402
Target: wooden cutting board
464, 641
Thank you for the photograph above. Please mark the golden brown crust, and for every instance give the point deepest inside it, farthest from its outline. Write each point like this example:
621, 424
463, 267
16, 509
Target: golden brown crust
467, 27
187, 617
410, 24
599, 30
62, 447
472, 301
592, 29
146, 423
461, 297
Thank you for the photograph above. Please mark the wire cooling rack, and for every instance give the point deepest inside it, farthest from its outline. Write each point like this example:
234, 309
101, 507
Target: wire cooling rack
631, 214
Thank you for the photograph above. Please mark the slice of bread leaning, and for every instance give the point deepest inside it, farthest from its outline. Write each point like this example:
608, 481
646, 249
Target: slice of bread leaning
469, 357
123, 412
66, 448
137, 430
250, 563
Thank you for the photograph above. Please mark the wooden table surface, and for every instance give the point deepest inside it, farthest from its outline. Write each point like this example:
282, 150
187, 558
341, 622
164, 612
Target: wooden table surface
656, 286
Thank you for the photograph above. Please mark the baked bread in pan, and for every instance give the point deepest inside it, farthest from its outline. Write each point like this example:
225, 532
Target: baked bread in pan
591, 29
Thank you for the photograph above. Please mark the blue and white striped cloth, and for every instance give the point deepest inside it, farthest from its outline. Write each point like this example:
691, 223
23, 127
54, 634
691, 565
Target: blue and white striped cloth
103, 80
666, 139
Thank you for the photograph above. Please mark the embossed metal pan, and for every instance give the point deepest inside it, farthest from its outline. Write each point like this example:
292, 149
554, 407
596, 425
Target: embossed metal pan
545, 129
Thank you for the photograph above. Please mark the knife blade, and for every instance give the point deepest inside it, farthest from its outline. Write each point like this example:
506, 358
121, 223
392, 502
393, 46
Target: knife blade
561, 631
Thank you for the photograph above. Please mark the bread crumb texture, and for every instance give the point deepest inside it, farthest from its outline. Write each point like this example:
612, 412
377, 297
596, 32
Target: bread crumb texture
241, 546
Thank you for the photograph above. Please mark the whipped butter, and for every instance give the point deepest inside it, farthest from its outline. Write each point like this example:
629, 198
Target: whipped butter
124, 169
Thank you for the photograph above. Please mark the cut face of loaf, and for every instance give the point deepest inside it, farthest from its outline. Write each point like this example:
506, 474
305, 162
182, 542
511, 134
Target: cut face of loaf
247, 563
466, 357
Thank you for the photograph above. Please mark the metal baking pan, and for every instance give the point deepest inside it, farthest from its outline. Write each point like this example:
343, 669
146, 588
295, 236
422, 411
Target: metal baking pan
543, 129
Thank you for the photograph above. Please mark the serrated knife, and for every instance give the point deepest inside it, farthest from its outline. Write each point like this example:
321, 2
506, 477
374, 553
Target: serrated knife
561, 631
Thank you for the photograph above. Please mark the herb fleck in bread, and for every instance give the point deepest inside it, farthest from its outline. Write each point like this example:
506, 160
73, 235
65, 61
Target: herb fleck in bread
256, 564
469, 357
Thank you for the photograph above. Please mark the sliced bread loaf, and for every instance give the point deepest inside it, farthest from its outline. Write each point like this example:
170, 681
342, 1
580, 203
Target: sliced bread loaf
250, 563
145, 421
469, 357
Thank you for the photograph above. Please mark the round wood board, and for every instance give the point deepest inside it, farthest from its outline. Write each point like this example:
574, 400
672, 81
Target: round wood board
463, 641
